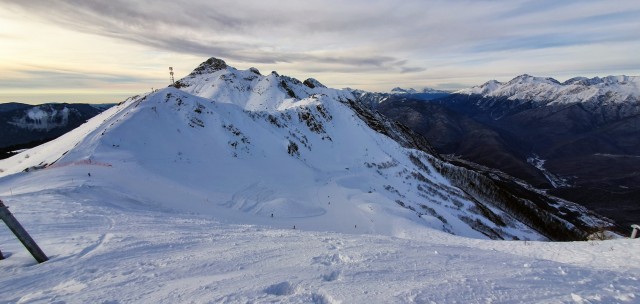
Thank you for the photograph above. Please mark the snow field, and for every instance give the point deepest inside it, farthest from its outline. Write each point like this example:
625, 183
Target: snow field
105, 252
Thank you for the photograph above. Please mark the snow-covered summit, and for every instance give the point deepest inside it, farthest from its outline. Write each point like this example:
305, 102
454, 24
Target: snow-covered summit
399, 90
374, 99
607, 90
432, 90
211, 65
249, 89
609, 80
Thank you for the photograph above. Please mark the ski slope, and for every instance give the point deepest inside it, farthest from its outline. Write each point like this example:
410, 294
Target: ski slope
105, 248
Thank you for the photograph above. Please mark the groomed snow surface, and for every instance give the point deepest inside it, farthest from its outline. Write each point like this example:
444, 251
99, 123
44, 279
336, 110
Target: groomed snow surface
106, 248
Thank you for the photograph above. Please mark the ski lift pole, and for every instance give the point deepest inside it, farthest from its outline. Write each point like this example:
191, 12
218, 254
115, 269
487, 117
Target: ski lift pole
21, 234
635, 228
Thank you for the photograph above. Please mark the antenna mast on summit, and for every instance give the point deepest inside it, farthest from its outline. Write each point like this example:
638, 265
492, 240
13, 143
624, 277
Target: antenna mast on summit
171, 74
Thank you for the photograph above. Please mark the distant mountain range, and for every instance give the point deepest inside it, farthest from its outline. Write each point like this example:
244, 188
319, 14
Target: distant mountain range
580, 138
24, 126
372, 99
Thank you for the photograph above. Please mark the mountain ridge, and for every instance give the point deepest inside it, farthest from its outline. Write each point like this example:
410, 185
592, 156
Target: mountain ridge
547, 90
267, 149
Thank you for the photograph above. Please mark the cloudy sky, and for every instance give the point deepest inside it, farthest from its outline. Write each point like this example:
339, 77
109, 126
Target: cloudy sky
104, 51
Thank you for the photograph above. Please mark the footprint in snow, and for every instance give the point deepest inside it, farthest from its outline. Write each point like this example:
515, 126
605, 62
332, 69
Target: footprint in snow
282, 289
331, 259
333, 276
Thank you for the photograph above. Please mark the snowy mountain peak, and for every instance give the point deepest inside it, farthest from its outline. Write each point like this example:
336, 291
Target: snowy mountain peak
609, 80
431, 90
211, 65
215, 80
313, 83
398, 90
484, 89
547, 90
255, 71
412, 91
526, 78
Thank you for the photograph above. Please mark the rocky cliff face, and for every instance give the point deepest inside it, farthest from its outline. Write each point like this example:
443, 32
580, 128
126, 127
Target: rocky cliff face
575, 138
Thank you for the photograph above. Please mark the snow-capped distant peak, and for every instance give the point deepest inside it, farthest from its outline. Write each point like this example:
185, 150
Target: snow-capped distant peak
398, 90
622, 79
526, 78
436, 91
547, 90
484, 89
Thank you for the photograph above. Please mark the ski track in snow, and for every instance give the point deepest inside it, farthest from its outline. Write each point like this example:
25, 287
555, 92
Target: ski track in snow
101, 253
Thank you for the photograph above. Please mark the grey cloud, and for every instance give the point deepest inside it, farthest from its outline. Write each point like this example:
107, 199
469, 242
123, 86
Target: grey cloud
53, 79
354, 22
535, 7
204, 28
412, 69
605, 18
350, 36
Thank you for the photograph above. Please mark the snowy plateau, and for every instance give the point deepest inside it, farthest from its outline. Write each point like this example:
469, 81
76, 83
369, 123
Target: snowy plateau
235, 187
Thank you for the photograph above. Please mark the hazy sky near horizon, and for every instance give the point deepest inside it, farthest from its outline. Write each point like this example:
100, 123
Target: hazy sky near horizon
104, 51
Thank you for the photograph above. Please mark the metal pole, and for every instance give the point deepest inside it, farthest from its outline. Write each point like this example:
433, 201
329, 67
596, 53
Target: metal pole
635, 231
21, 234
